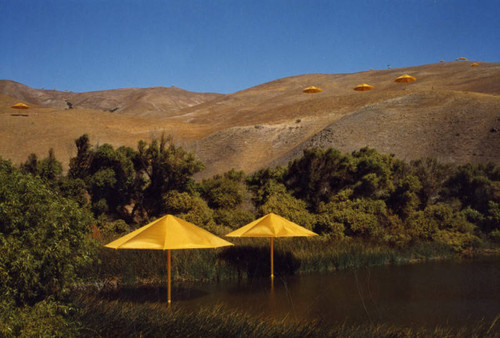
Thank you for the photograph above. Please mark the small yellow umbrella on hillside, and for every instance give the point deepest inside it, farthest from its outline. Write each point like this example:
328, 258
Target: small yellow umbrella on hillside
312, 90
20, 105
169, 233
405, 79
475, 64
363, 87
271, 226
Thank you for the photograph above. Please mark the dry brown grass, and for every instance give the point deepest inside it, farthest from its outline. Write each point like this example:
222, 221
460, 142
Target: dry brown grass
448, 113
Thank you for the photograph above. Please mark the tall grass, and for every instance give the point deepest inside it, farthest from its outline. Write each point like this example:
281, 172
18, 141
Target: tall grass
99, 317
250, 258
320, 254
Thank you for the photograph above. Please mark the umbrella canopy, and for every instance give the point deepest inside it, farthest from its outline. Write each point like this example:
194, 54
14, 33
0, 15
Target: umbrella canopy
168, 233
363, 87
405, 79
272, 226
312, 90
20, 106
475, 64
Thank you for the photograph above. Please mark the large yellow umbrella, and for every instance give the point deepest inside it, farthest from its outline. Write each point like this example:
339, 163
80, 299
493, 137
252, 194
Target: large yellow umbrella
168, 233
405, 79
363, 87
271, 226
312, 90
20, 106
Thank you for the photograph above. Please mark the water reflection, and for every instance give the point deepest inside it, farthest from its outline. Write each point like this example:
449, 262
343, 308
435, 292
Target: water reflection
422, 294
430, 294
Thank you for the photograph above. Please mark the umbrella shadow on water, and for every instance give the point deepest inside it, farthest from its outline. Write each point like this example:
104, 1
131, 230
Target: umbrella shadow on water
253, 262
151, 294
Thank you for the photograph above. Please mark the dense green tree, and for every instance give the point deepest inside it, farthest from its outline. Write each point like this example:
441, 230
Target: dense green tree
79, 165
405, 198
372, 174
50, 168
191, 208
441, 223
75, 189
227, 194
432, 176
43, 239
31, 166
111, 178
263, 183
492, 219
233, 218
167, 168
318, 175
284, 204
109, 175
50, 171
224, 191
359, 218
472, 186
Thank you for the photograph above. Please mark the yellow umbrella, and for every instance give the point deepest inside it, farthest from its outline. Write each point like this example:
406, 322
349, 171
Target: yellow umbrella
271, 226
474, 64
405, 79
312, 90
20, 106
363, 87
168, 233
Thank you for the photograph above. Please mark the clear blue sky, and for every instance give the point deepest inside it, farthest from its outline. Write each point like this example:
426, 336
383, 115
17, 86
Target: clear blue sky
228, 45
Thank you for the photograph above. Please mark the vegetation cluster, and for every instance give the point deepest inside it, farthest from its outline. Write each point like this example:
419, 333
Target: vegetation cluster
369, 208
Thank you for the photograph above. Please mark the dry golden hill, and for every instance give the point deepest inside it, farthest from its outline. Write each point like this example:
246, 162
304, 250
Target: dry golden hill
156, 101
451, 112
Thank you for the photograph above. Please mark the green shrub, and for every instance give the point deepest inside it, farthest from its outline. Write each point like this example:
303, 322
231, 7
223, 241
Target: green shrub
282, 203
224, 191
360, 218
495, 235
191, 208
457, 240
44, 239
233, 218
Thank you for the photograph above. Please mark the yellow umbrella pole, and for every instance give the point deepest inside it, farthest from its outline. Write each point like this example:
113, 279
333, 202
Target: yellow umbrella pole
272, 258
169, 299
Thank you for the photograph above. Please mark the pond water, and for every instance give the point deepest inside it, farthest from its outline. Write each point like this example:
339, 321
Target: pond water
426, 294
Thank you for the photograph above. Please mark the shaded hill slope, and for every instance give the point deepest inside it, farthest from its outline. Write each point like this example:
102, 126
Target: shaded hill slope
448, 113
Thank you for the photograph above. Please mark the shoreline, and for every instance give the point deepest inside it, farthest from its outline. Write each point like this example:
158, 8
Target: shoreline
360, 260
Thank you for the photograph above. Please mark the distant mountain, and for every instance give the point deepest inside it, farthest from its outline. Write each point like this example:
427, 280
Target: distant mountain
452, 112
157, 101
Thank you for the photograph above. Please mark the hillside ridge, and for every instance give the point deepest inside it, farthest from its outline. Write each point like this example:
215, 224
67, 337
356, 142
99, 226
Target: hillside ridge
452, 113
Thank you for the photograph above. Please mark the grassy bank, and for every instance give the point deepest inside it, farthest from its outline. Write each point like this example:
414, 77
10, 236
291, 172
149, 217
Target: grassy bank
250, 258
100, 317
